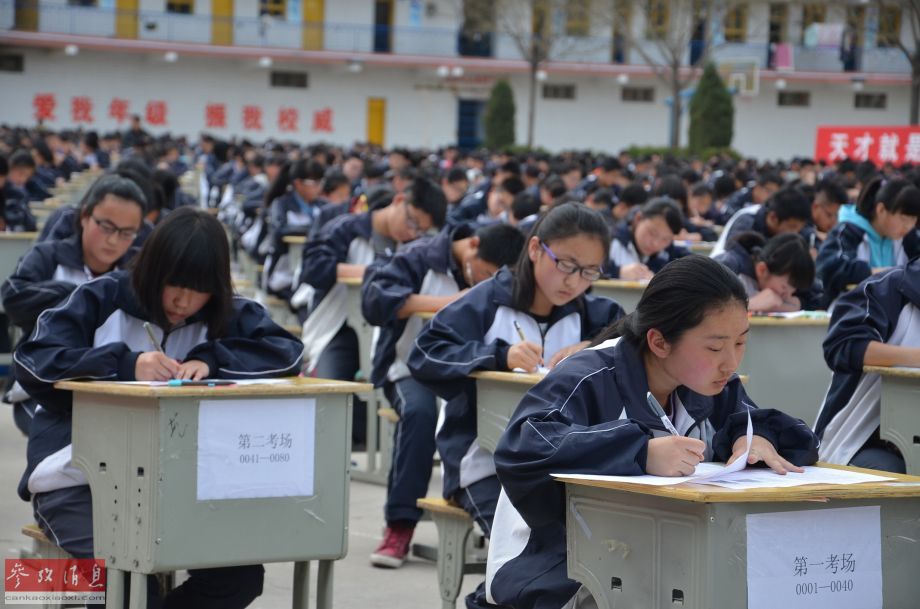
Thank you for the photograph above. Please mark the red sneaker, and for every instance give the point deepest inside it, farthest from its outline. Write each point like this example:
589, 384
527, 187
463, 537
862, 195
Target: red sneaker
392, 551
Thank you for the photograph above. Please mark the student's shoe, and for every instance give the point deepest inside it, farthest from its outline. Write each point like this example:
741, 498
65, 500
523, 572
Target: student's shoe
392, 551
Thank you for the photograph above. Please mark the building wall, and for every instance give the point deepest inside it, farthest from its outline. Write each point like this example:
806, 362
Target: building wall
421, 107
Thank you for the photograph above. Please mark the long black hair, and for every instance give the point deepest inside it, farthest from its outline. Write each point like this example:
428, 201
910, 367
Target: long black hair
677, 299
188, 249
560, 222
898, 196
784, 254
302, 169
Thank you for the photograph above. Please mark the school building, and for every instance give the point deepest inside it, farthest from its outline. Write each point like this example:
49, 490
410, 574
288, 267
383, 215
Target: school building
417, 72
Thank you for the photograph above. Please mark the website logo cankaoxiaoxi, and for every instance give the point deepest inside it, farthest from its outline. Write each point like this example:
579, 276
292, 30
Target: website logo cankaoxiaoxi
35, 581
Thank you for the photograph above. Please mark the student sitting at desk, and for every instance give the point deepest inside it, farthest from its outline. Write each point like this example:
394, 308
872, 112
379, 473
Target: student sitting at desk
592, 415
877, 324
787, 211
15, 216
643, 245
110, 218
778, 275
423, 277
878, 232
181, 286
343, 248
525, 319
294, 202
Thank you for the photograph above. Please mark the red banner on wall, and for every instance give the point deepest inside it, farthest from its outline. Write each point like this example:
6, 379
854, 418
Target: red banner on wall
897, 145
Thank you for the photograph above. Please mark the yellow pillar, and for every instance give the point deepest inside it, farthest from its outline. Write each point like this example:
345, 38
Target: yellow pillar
376, 118
126, 18
222, 22
26, 15
314, 19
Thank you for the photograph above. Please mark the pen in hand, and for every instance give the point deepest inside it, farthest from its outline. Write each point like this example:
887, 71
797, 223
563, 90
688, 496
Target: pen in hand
152, 337
520, 332
659, 411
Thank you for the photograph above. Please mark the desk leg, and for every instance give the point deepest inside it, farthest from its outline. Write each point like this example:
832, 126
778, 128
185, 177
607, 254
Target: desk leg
115, 589
138, 598
324, 584
301, 585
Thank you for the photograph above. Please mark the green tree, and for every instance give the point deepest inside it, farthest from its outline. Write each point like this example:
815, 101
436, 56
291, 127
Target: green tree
712, 113
499, 118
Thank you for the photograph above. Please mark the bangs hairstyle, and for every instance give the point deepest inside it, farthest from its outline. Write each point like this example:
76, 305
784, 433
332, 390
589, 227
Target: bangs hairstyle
188, 249
704, 285
666, 208
899, 197
560, 222
784, 254
112, 184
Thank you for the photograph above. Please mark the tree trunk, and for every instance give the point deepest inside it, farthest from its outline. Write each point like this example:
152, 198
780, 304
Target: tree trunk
915, 91
532, 103
674, 136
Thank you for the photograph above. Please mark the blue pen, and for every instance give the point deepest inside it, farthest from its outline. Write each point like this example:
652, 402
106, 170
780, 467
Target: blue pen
205, 383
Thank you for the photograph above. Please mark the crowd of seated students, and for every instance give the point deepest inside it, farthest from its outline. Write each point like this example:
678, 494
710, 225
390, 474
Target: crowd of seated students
503, 248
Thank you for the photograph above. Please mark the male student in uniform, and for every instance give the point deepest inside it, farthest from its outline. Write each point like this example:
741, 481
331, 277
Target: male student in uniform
423, 277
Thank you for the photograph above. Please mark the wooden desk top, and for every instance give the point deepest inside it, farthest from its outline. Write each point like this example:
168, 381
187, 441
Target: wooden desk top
9, 236
426, 315
893, 371
295, 239
701, 493
823, 321
621, 284
295, 386
350, 281
518, 378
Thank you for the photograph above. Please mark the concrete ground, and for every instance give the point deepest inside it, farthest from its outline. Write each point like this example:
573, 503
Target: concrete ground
357, 583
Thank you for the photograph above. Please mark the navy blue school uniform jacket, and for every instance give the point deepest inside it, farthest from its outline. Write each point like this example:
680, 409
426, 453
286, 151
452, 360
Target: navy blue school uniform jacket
475, 333
623, 251
425, 266
98, 334
739, 261
882, 308
470, 207
45, 276
289, 215
590, 416
844, 257
319, 299
16, 213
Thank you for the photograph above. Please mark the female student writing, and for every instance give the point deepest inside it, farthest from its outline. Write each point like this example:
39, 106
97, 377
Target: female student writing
878, 232
643, 245
778, 275
591, 415
544, 297
877, 324
109, 220
181, 285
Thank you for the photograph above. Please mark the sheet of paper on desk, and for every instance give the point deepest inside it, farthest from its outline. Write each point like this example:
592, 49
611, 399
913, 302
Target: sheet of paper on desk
704, 471
767, 478
241, 382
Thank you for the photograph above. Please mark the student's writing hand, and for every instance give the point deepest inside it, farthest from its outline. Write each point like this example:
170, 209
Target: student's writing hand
766, 301
561, 354
635, 272
673, 456
763, 450
193, 370
155, 366
525, 355
792, 304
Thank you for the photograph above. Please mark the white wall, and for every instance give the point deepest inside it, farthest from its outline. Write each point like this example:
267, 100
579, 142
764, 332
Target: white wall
421, 108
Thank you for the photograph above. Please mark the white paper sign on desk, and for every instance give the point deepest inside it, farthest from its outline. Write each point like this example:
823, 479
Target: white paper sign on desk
817, 559
249, 449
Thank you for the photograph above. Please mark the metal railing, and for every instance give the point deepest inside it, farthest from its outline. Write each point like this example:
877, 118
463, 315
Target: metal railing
277, 33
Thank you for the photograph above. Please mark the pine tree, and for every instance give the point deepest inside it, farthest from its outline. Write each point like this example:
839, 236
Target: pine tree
499, 117
712, 113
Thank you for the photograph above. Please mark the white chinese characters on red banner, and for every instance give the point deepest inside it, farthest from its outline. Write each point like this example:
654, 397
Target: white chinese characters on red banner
896, 145
45, 107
